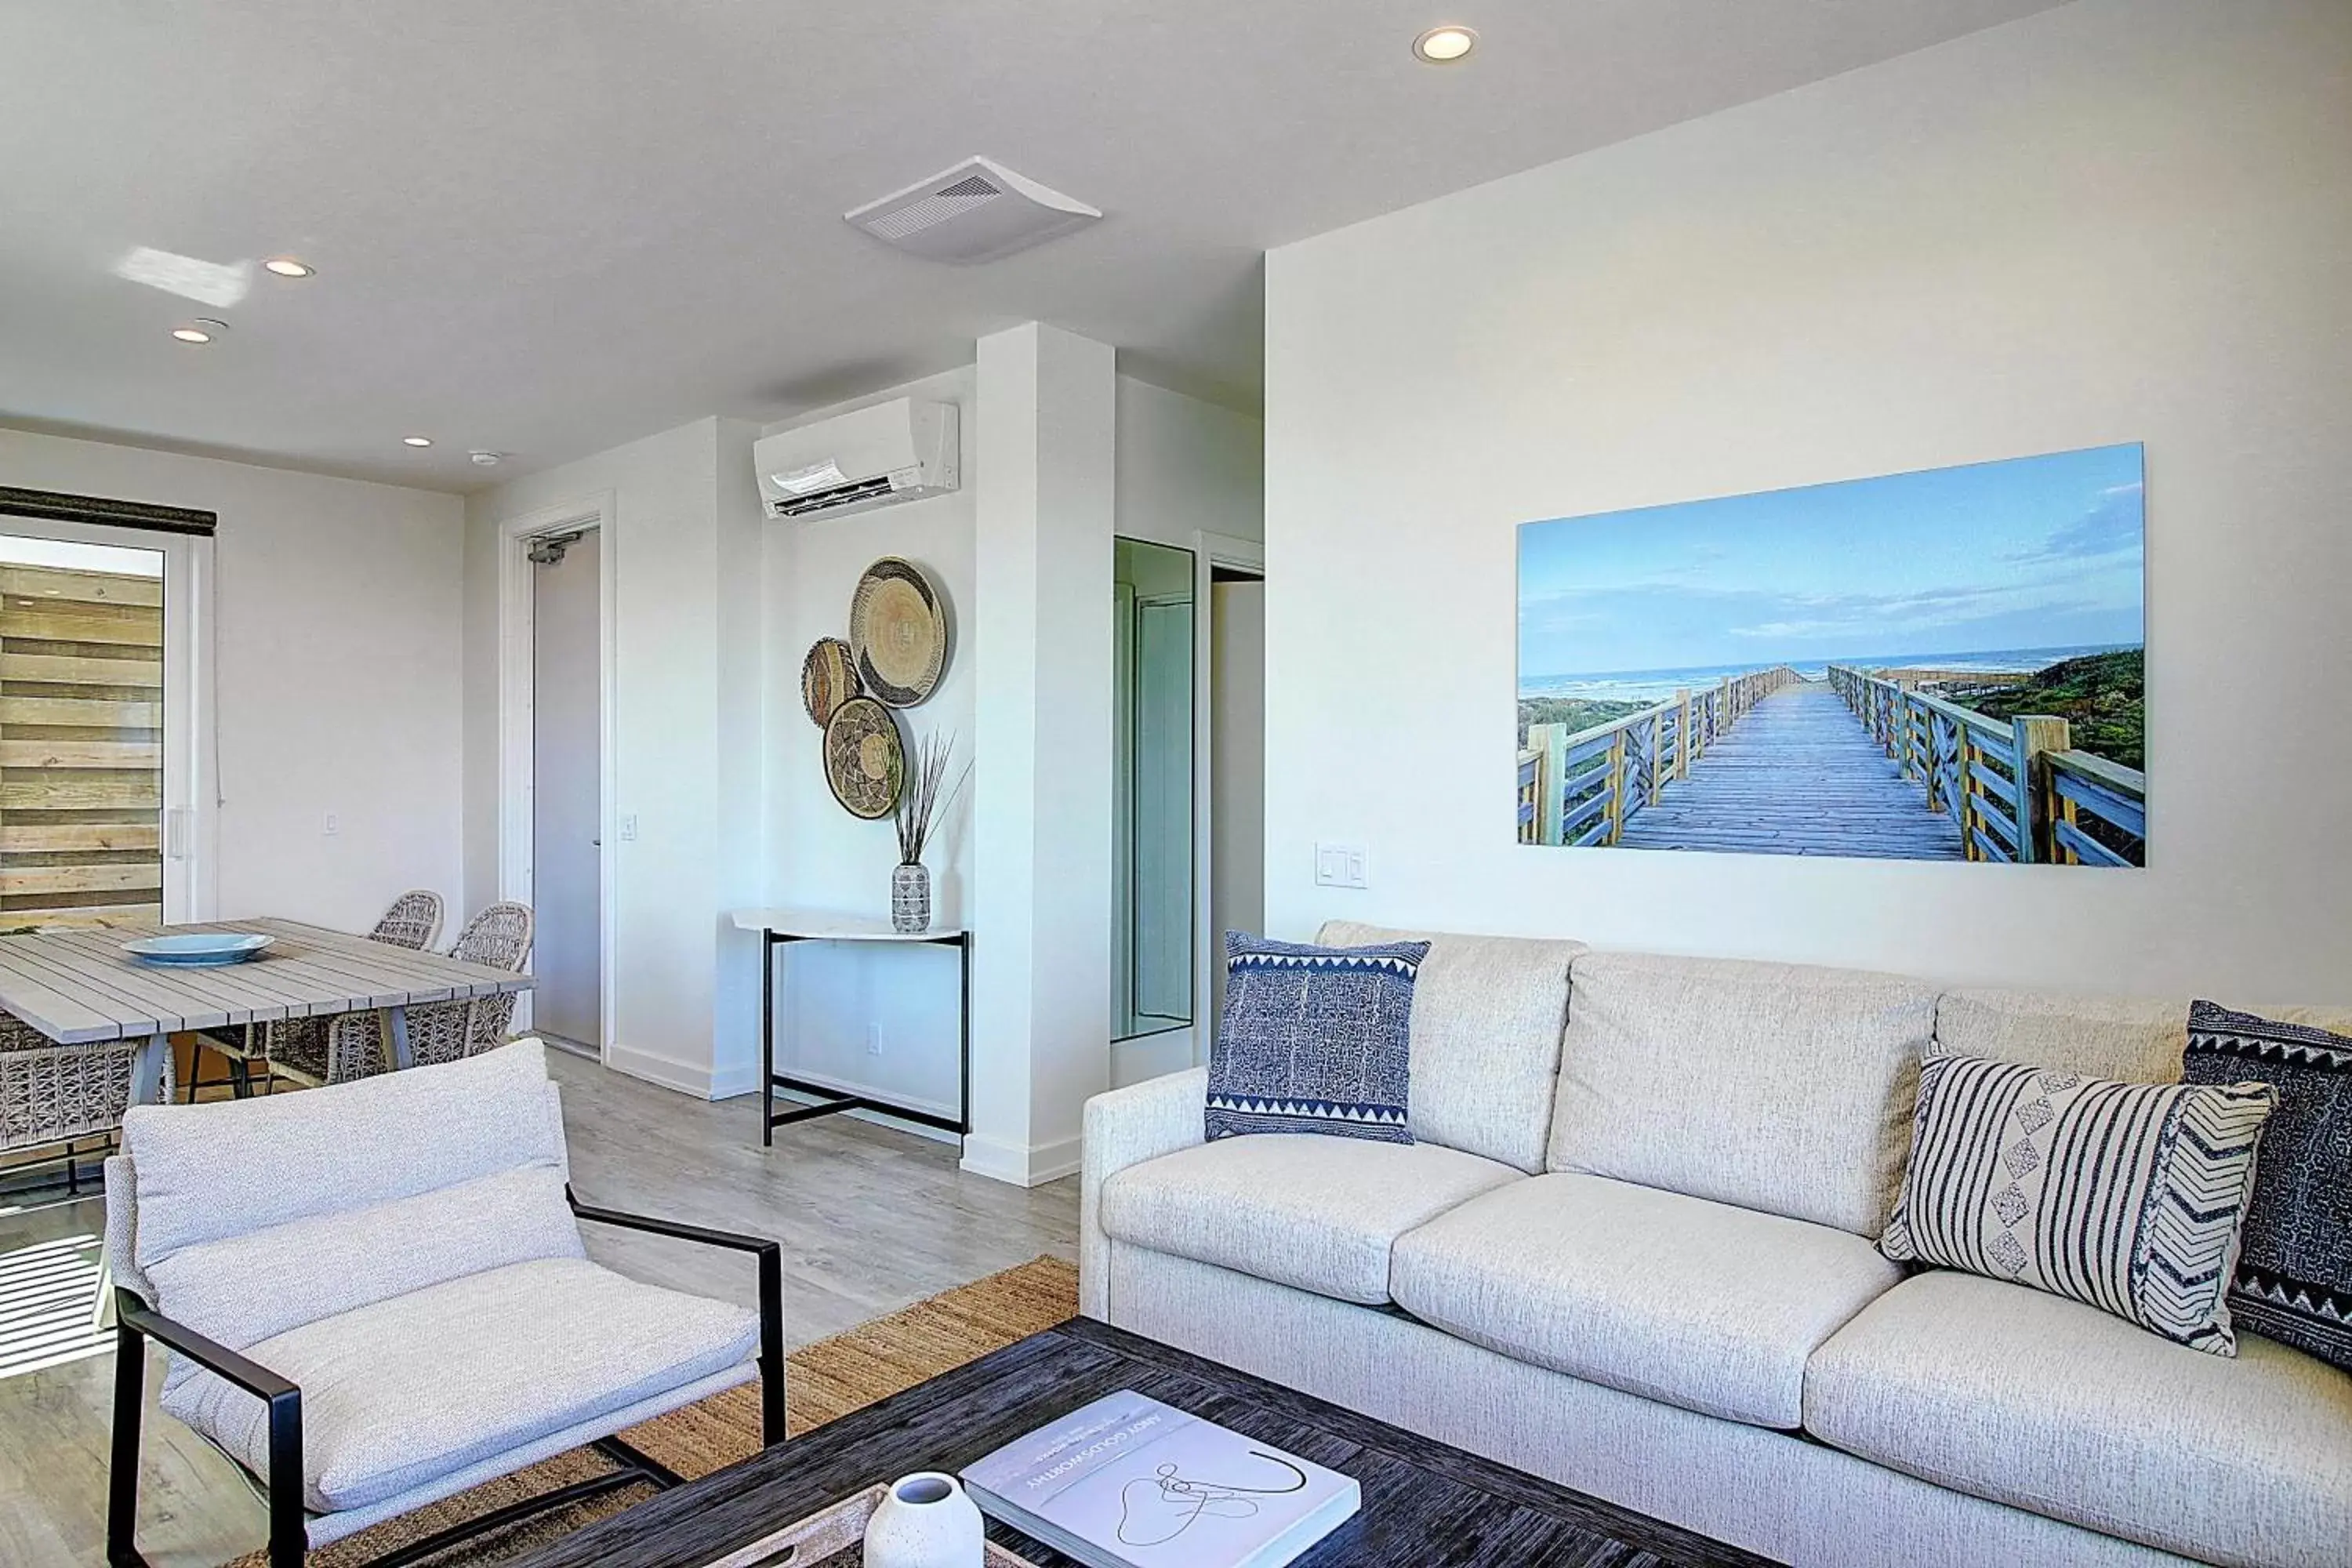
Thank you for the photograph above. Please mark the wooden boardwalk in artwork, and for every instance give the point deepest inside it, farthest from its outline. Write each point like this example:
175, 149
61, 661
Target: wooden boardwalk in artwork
1798, 774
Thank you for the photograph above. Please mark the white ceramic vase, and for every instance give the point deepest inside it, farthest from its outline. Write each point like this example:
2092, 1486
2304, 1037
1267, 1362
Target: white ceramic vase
926, 1522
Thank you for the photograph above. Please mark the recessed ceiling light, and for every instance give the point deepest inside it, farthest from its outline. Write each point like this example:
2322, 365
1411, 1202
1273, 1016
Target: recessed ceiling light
202, 330
1444, 46
287, 267
417, 440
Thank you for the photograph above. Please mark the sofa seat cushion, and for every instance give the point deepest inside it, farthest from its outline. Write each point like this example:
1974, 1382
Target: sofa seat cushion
2056, 1407
402, 1391
1682, 1300
1318, 1214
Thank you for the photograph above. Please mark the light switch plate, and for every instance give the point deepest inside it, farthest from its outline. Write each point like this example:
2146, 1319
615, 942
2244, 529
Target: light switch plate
629, 827
1341, 865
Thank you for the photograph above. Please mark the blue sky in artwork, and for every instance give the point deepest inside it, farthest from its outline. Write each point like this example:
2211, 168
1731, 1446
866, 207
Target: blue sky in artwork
2043, 552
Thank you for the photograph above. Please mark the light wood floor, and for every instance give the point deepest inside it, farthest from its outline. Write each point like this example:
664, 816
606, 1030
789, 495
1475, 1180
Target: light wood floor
871, 1220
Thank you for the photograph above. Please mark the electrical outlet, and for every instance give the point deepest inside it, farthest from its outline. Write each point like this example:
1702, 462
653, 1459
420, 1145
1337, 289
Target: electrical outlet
1341, 865
332, 824
873, 1039
629, 827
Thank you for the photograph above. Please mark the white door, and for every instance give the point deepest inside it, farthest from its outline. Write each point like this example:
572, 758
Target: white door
566, 806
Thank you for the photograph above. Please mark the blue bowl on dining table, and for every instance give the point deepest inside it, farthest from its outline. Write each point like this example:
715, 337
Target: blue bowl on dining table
197, 949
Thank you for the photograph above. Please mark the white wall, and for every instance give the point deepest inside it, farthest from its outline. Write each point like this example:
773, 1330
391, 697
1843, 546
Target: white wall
823, 859
1042, 631
1187, 466
686, 654
2125, 220
336, 608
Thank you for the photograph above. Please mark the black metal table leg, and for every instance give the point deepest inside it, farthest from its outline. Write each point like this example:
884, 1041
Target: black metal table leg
767, 1039
833, 1102
964, 1034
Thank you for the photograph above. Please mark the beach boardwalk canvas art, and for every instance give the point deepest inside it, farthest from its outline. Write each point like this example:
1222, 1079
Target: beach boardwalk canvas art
1939, 666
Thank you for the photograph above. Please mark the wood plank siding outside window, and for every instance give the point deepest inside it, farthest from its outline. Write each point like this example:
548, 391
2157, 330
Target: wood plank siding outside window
81, 745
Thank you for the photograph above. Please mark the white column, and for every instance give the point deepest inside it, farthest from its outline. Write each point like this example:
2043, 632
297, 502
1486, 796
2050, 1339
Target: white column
1042, 749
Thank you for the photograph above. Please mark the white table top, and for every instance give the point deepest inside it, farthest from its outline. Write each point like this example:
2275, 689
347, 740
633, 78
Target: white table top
820, 926
79, 986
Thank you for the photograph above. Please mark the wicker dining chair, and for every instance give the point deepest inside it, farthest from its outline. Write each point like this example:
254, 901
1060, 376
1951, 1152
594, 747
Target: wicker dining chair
412, 921
54, 1093
499, 938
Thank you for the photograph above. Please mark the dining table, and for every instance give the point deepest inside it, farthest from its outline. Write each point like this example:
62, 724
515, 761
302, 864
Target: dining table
79, 985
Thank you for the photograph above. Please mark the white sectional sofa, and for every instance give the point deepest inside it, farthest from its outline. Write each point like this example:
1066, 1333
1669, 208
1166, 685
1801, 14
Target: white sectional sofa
1632, 1250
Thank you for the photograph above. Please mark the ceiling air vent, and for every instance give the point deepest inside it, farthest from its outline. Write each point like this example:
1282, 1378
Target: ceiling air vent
977, 211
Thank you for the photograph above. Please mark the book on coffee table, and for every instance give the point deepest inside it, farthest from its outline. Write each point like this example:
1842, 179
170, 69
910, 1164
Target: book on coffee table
1129, 1482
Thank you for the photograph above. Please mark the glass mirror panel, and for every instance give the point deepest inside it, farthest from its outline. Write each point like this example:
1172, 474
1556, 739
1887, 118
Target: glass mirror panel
1152, 873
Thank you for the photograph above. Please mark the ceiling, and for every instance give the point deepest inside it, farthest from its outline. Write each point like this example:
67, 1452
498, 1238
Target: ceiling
546, 226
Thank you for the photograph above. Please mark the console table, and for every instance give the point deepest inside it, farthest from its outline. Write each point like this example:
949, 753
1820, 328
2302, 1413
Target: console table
779, 928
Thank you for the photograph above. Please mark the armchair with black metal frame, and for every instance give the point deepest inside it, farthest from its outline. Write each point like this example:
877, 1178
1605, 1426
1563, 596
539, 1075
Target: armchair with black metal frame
276, 1456
136, 1322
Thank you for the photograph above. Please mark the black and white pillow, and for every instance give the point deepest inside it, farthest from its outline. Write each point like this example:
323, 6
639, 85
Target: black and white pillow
2293, 1282
2128, 1197
1314, 1039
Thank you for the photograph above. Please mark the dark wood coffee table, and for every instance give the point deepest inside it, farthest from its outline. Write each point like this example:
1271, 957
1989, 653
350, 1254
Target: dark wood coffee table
1426, 1505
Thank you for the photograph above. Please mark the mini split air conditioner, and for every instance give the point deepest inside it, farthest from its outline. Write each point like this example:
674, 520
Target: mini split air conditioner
893, 451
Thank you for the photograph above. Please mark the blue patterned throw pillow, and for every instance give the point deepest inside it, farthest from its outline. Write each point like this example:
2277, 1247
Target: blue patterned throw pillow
2293, 1282
1314, 1039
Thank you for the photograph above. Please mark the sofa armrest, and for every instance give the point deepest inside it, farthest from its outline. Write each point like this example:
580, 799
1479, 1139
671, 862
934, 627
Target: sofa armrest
1123, 1128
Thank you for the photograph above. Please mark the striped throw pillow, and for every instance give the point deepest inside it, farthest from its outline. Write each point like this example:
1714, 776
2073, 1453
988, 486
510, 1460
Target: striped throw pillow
2124, 1195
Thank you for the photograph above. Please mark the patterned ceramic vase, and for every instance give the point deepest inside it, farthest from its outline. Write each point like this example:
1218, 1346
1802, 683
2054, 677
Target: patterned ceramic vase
926, 1522
911, 897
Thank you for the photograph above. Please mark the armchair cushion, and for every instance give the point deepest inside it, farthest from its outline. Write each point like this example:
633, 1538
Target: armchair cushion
242, 1290
368, 1143
405, 1391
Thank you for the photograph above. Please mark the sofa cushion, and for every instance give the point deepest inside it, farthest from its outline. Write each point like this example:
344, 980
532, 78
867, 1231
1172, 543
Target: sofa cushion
346, 1147
1677, 1299
1313, 1039
401, 1393
1775, 1087
2295, 1261
1319, 1213
2135, 1039
2124, 1195
2056, 1407
1487, 1013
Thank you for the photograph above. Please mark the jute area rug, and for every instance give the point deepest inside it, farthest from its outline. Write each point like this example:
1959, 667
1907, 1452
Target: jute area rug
822, 1381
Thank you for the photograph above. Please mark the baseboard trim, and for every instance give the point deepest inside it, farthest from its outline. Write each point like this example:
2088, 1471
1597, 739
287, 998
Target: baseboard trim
668, 1072
1019, 1164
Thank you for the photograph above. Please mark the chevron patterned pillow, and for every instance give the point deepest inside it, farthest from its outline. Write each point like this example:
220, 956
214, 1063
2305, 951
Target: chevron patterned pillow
2295, 1272
1314, 1039
2124, 1195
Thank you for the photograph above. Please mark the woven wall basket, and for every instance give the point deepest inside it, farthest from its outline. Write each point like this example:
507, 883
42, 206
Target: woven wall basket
828, 679
897, 633
864, 761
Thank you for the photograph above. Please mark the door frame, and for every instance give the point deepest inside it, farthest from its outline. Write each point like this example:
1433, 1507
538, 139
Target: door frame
1210, 552
518, 681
